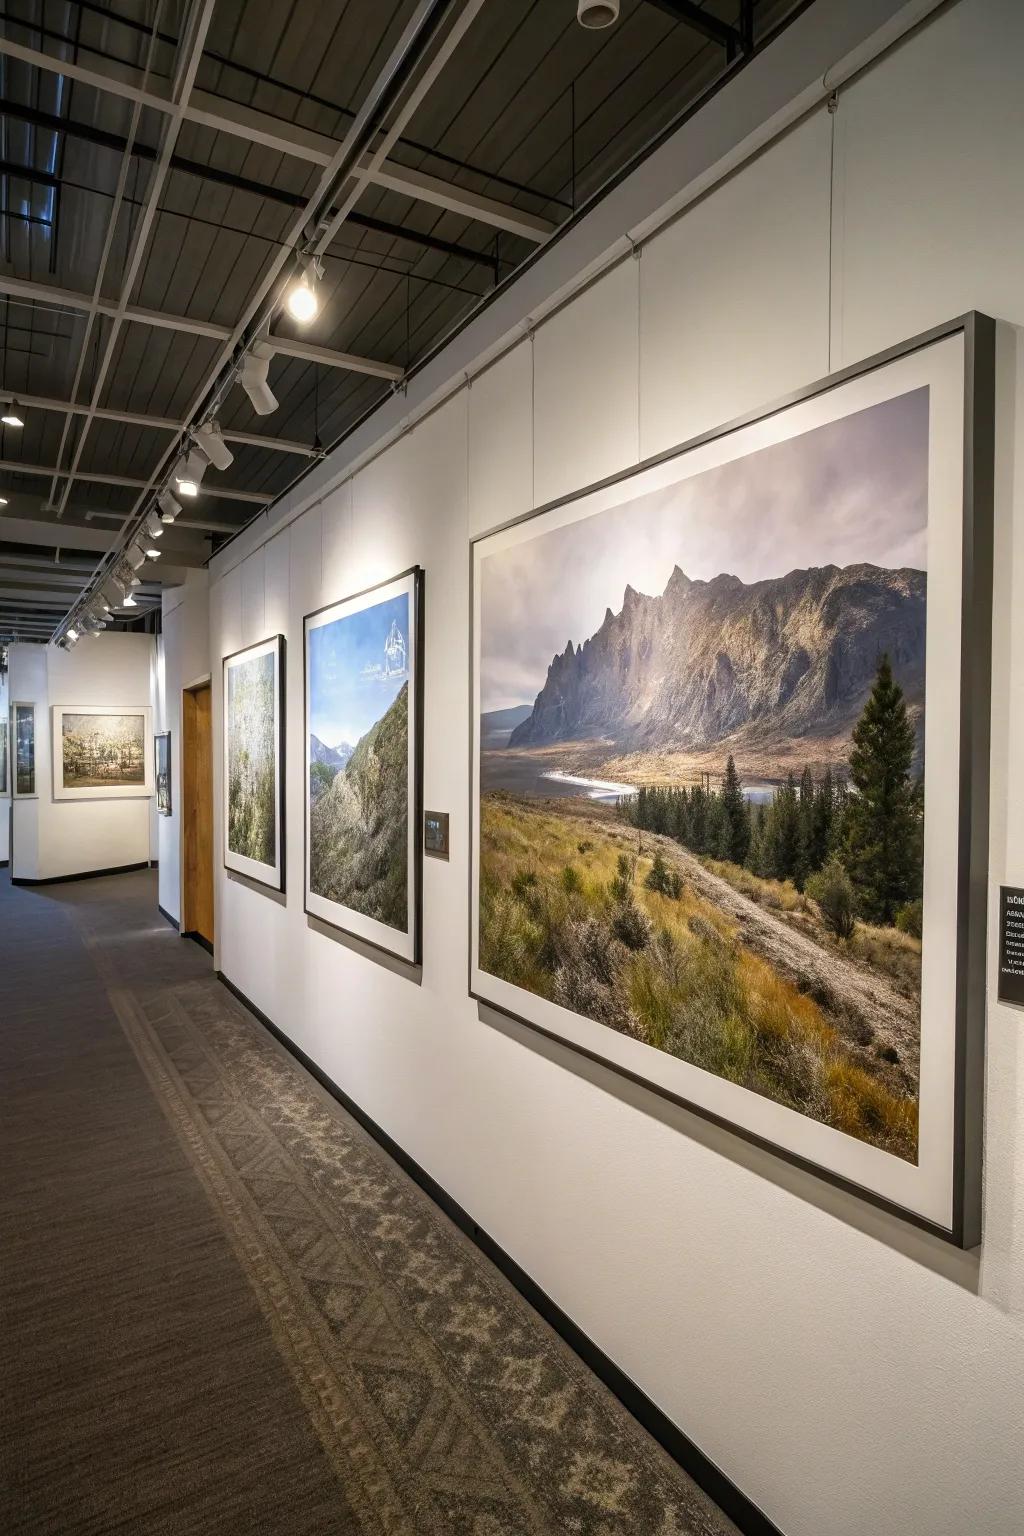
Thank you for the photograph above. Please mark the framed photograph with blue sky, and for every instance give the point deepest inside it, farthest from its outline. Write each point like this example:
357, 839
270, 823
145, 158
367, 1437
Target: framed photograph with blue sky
364, 764
254, 763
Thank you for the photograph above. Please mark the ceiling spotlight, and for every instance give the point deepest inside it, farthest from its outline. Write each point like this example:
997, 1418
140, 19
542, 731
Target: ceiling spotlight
151, 554
10, 417
3, 501
129, 601
595, 14
211, 442
134, 556
154, 526
169, 506
72, 635
302, 303
252, 375
189, 471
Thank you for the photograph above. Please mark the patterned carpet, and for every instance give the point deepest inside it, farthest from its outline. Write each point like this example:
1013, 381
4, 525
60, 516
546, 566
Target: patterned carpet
434, 1399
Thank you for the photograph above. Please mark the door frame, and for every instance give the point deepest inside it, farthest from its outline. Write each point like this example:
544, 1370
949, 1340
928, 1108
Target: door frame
186, 927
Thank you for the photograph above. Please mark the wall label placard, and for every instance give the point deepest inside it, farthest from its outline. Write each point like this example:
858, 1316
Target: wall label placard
1011, 945
435, 834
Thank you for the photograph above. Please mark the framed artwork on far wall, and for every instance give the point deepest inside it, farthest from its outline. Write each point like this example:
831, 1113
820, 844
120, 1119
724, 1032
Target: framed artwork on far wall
730, 774
364, 764
162, 765
23, 751
5, 771
254, 762
102, 752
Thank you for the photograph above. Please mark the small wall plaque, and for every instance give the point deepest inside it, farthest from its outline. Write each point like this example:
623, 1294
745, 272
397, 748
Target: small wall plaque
435, 834
1011, 945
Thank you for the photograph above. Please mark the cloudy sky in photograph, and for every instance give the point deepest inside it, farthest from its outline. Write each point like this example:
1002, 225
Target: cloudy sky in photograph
352, 681
852, 492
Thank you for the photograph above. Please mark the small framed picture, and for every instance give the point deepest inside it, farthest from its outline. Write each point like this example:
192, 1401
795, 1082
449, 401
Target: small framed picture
162, 749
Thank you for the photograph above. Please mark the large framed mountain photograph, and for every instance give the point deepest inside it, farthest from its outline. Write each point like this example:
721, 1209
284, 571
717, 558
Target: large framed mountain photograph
730, 734
254, 762
364, 757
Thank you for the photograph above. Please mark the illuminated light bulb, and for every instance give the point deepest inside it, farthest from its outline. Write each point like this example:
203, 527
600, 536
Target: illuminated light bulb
302, 303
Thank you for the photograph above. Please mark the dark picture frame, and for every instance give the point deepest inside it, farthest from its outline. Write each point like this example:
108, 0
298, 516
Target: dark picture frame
23, 709
273, 876
370, 932
960, 1223
162, 749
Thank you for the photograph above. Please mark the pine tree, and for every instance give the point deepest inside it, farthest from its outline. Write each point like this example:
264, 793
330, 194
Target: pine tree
804, 864
821, 821
882, 840
784, 830
735, 809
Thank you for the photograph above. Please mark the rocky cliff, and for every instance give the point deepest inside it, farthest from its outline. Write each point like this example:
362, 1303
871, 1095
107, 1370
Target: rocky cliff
789, 657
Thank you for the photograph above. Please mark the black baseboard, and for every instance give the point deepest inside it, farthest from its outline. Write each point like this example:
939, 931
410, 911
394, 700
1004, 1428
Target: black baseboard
167, 917
751, 1520
4, 863
86, 874
198, 938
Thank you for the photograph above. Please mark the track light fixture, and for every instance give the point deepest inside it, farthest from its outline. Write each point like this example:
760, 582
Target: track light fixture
169, 506
129, 601
212, 444
134, 556
72, 634
3, 501
12, 414
595, 14
252, 375
154, 526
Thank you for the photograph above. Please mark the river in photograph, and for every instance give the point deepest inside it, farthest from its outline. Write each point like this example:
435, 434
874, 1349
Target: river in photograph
522, 774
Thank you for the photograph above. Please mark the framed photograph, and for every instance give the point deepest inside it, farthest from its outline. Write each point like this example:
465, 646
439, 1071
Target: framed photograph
162, 748
102, 752
364, 764
254, 762
23, 728
5, 771
729, 780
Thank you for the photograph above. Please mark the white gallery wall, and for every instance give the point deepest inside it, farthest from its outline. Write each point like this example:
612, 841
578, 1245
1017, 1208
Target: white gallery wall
5, 804
52, 838
848, 1372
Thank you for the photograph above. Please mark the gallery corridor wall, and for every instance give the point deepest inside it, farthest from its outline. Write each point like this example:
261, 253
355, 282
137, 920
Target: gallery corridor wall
5, 803
183, 659
52, 837
846, 1371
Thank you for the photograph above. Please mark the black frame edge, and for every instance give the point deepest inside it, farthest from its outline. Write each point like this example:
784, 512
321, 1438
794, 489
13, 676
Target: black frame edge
744, 1513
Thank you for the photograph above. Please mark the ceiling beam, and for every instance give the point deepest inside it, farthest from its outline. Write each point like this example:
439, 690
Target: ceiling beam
692, 15
94, 477
166, 424
285, 138
67, 298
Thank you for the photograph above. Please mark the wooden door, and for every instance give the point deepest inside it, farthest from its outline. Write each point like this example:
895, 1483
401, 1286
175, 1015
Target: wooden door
197, 809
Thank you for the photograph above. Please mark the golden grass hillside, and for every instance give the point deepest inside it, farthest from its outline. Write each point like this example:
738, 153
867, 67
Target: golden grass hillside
567, 911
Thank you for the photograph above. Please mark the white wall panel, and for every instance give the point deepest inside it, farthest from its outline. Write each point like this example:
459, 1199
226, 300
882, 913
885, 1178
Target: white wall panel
186, 658
5, 804
585, 386
929, 198
734, 306
254, 598
849, 1372
501, 440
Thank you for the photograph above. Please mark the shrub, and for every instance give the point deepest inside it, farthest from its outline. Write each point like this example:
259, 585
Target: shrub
832, 889
570, 881
523, 881
584, 845
909, 918
621, 886
631, 926
661, 878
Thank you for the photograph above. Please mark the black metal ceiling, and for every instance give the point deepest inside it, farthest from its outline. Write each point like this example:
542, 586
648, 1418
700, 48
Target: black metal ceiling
532, 111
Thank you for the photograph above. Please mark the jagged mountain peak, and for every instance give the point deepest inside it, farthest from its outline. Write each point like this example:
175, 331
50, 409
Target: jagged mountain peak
794, 654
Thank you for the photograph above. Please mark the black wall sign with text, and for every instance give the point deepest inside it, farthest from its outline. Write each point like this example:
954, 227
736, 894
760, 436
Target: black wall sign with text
1011, 945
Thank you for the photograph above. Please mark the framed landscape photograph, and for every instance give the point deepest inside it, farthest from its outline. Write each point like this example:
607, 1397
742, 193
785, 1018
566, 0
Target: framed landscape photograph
162, 748
23, 724
364, 754
730, 798
102, 752
254, 762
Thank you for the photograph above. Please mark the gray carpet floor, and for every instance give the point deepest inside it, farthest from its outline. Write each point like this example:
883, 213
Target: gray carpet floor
226, 1309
